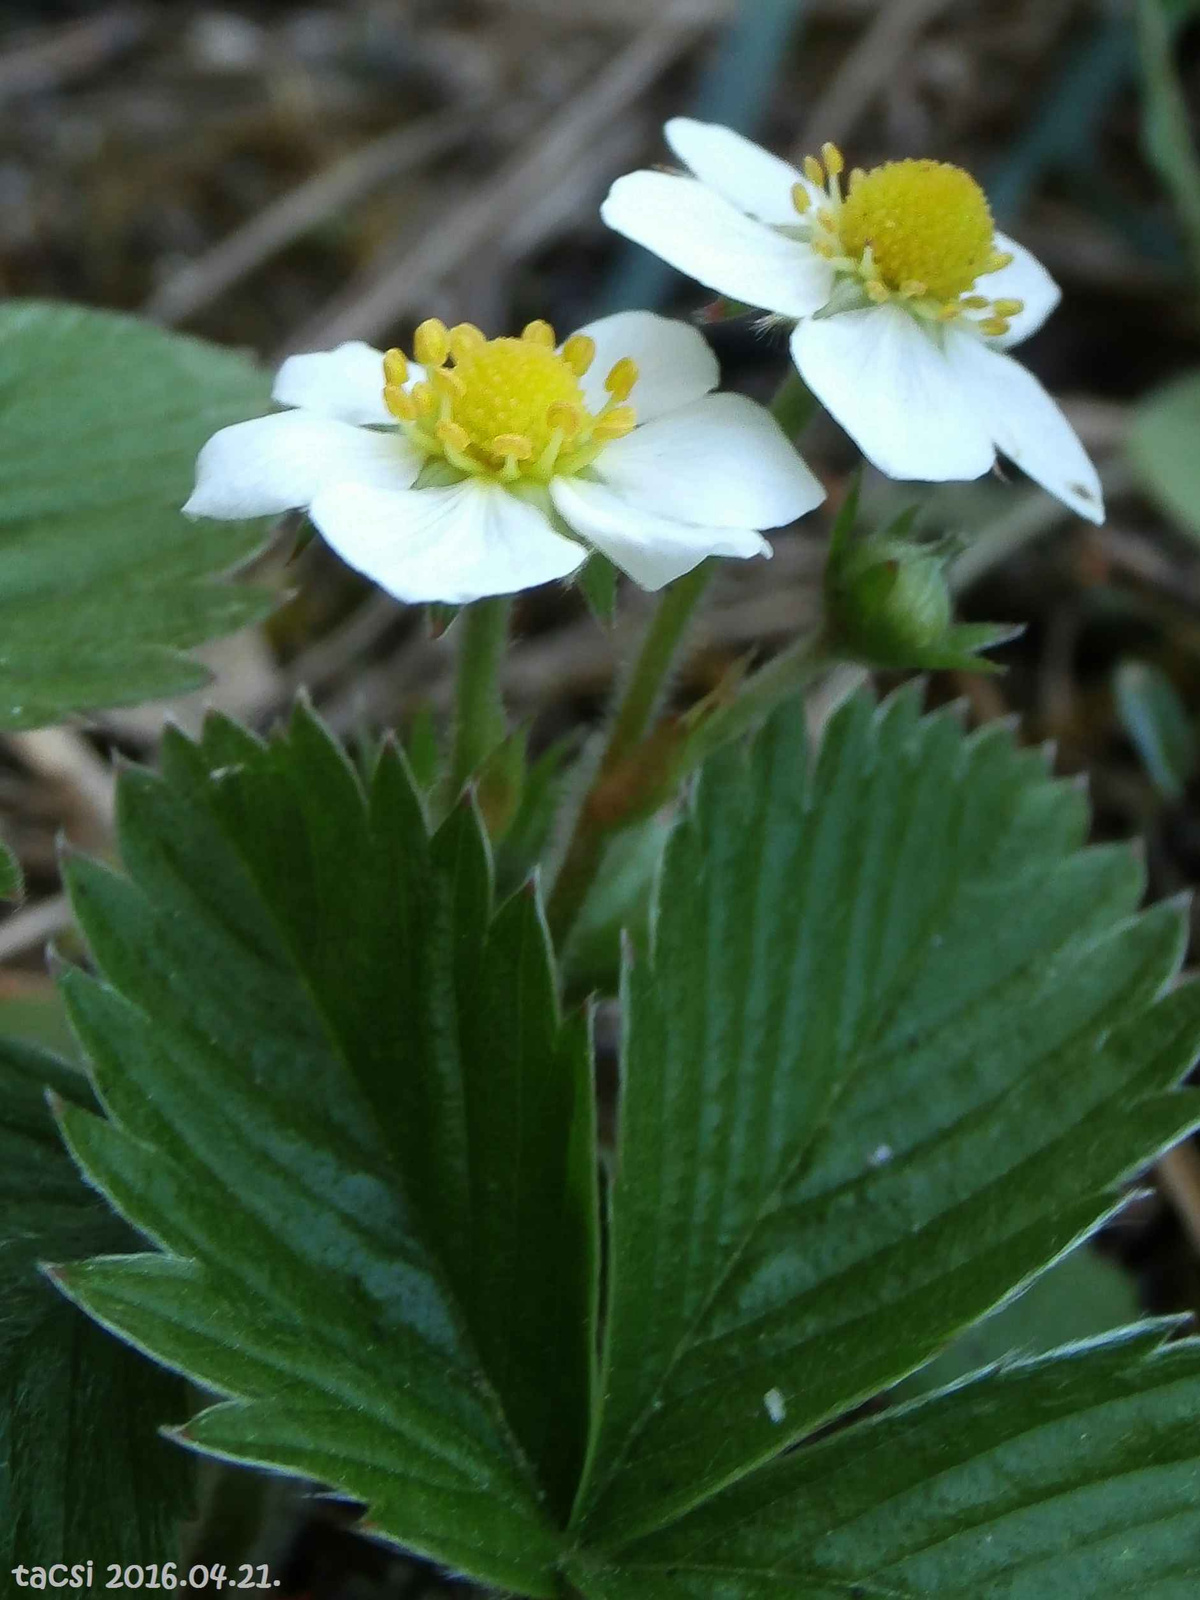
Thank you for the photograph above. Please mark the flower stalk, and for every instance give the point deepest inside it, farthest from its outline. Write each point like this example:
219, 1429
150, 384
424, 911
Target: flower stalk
478, 704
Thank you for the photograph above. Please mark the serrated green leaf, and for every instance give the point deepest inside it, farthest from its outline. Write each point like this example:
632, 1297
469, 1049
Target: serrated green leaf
1157, 722
1074, 1475
103, 582
1082, 1296
82, 1469
343, 1104
1162, 449
898, 1044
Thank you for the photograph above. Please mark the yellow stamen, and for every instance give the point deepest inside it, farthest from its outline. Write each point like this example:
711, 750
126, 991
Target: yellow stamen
615, 424
914, 289
924, 221
509, 409
566, 418
431, 343
1008, 308
825, 247
579, 352
465, 337
450, 433
1000, 259
511, 445
400, 403
447, 382
801, 198
814, 171
833, 159
975, 302
621, 378
879, 292
857, 174
994, 326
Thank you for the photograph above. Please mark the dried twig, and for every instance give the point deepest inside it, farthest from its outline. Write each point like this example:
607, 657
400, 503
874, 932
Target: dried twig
200, 282
33, 925
865, 70
378, 298
72, 51
65, 757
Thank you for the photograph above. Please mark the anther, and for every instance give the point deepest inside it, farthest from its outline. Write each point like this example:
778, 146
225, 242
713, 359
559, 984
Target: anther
949, 311
1000, 259
395, 368
994, 327
825, 247
454, 435
511, 447
975, 302
877, 291
424, 397
621, 379
399, 402
465, 337
801, 198
857, 174
566, 417
616, 423
446, 381
431, 343
579, 352
1008, 308
833, 159
914, 289
814, 171
539, 332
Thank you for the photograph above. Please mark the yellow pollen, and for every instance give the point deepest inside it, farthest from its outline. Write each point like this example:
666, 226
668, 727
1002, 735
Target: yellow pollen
400, 403
814, 171
508, 408
924, 221
857, 174
1008, 308
621, 378
994, 326
431, 343
463, 337
579, 352
801, 198
539, 333
515, 445
618, 422
833, 159
395, 368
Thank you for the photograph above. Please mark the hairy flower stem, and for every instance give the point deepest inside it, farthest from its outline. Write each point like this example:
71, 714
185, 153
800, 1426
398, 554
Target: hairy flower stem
594, 826
478, 706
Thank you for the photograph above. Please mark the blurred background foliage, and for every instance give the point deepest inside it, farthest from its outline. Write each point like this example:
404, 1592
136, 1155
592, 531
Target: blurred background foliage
281, 176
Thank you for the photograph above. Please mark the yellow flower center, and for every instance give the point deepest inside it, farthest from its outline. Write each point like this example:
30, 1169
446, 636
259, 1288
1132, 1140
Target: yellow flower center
506, 408
925, 222
916, 231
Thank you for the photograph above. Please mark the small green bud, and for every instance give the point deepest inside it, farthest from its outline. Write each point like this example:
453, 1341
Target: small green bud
888, 602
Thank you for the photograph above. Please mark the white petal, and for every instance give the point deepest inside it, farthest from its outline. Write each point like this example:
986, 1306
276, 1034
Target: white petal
722, 461
346, 383
277, 463
1025, 279
750, 177
652, 550
673, 359
1026, 424
712, 241
456, 544
884, 376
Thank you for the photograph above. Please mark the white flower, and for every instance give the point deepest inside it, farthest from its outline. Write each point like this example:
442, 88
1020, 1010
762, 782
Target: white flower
497, 464
904, 296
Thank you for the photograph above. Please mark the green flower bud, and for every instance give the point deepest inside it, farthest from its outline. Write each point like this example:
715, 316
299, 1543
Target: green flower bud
888, 602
